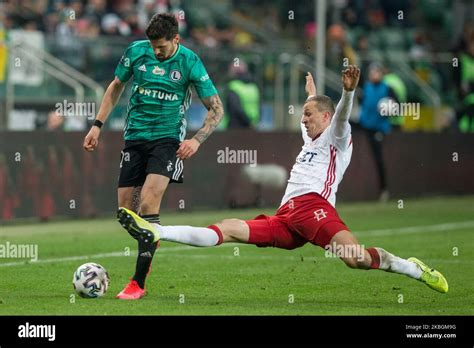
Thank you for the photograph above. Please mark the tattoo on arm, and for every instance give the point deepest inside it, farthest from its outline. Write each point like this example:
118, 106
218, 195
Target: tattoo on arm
214, 116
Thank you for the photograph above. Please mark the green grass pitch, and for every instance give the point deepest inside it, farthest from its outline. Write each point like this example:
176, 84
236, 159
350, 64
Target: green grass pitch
237, 279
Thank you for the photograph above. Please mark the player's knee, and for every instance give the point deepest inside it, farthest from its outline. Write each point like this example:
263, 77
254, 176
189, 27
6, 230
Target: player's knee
149, 202
152, 195
232, 228
231, 224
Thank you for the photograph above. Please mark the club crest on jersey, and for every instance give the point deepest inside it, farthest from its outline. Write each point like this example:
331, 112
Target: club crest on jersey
175, 75
158, 71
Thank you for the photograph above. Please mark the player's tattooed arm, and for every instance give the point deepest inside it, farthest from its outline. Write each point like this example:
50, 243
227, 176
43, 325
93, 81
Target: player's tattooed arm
214, 116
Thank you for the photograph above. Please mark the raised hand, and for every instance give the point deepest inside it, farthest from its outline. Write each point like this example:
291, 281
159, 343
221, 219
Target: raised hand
310, 87
350, 77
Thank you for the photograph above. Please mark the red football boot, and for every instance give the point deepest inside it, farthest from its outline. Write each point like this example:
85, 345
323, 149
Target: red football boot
131, 292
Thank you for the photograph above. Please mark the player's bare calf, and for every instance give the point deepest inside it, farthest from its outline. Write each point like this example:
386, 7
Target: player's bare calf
234, 230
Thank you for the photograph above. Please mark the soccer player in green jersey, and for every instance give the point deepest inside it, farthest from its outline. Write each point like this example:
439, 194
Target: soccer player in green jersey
163, 71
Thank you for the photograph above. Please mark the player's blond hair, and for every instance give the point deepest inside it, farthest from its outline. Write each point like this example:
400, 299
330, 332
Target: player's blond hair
323, 103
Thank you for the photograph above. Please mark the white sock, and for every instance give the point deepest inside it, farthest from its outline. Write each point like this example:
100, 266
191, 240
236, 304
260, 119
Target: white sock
392, 263
196, 236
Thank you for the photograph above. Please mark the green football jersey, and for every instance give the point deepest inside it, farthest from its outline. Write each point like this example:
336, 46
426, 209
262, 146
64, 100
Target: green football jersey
161, 90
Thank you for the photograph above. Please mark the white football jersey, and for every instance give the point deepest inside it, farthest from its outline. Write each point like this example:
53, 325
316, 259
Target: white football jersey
322, 162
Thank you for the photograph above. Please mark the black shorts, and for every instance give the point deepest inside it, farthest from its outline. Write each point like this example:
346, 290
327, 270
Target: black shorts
139, 158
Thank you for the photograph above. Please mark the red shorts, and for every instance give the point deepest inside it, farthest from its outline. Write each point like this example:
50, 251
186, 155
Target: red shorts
306, 218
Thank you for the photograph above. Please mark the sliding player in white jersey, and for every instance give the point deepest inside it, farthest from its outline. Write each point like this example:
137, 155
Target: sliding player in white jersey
307, 212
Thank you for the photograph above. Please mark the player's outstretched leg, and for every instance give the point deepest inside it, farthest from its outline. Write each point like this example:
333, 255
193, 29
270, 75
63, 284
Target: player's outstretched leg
356, 256
228, 230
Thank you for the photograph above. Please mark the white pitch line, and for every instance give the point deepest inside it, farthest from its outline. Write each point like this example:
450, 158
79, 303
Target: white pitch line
101, 255
61, 259
161, 254
419, 229
380, 232
194, 256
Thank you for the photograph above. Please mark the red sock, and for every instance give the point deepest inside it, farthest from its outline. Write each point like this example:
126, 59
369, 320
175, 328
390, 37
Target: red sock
374, 255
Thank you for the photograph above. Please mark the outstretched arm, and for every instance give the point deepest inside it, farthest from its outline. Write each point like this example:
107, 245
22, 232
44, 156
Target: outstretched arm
310, 89
214, 116
350, 79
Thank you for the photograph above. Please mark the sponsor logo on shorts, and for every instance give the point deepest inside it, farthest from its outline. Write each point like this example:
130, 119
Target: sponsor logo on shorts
169, 167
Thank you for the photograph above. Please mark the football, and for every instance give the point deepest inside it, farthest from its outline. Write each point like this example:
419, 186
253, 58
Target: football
91, 280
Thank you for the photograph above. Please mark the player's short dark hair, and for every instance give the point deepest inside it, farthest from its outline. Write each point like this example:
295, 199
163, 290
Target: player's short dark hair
162, 25
323, 103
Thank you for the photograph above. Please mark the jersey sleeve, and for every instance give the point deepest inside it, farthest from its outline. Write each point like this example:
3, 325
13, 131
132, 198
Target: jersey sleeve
340, 131
124, 69
201, 81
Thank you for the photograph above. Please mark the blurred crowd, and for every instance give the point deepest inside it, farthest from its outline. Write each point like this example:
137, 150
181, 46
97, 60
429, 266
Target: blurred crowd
358, 31
209, 26
86, 18
89, 19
